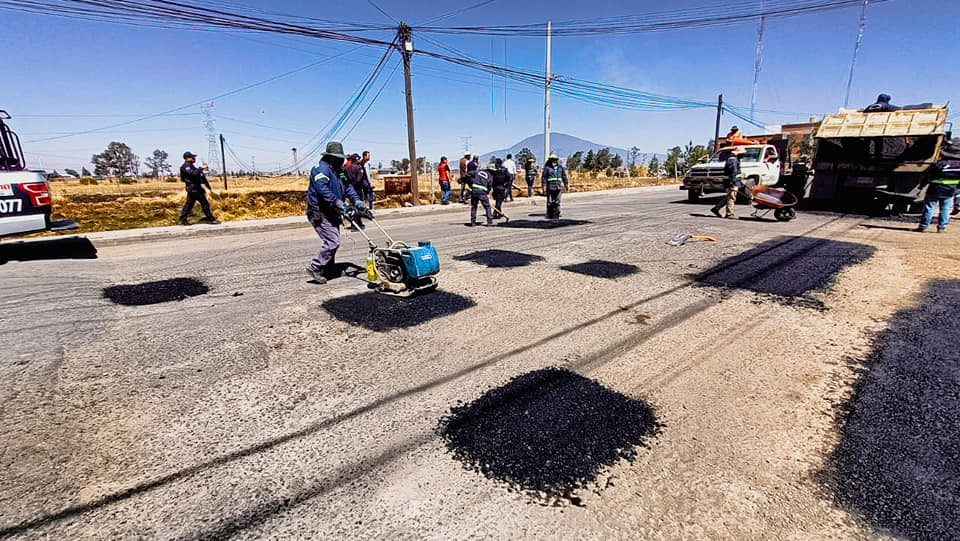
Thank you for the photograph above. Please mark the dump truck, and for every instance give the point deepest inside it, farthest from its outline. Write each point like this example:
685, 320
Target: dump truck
876, 162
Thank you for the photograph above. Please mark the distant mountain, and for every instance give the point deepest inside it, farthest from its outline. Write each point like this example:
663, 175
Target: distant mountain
563, 145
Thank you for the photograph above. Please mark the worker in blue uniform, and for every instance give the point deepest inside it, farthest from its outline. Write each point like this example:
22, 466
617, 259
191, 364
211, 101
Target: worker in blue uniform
480, 185
326, 197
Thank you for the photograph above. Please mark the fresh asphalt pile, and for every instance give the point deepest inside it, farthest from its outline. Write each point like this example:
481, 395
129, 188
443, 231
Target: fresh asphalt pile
174, 289
496, 259
381, 312
547, 432
542, 224
602, 269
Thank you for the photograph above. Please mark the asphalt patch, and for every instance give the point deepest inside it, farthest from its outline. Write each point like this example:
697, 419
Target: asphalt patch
787, 269
381, 312
898, 460
174, 289
543, 224
547, 432
35, 250
499, 258
602, 269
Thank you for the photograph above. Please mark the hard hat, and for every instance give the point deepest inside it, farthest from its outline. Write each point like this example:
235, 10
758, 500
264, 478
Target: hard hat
531, 159
553, 157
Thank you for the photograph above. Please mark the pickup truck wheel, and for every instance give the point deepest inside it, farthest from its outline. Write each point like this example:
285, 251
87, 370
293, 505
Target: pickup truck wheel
693, 195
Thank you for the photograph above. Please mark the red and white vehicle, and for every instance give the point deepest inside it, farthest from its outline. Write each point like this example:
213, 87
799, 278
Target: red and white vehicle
25, 204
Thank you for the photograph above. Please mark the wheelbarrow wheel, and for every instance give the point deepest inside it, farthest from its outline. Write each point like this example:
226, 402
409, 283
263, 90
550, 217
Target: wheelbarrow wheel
785, 214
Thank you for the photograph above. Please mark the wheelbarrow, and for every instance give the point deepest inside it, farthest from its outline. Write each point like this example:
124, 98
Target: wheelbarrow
778, 200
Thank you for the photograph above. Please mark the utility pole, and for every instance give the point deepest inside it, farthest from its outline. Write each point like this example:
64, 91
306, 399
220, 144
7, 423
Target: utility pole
253, 163
546, 102
295, 162
407, 51
223, 158
856, 50
716, 132
757, 64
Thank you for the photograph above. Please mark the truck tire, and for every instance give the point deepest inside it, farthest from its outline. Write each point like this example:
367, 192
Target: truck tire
693, 195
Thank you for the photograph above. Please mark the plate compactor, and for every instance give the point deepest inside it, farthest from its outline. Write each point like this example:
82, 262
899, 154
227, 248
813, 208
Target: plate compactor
398, 269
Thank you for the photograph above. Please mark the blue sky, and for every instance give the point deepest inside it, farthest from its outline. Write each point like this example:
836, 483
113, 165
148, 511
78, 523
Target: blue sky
67, 67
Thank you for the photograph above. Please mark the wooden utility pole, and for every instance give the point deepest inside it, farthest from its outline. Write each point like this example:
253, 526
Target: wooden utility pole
716, 132
223, 157
546, 102
406, 49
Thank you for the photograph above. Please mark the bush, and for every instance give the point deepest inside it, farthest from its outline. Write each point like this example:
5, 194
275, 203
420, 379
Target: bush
126, 181
87, 181
171, 179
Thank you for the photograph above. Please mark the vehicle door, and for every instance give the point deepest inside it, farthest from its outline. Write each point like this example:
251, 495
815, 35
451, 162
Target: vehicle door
770, 166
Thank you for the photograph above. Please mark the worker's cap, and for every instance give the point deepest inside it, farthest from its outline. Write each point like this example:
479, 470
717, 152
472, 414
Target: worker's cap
334, 150
466, 154
553, 157
734, 128
885, 98
531, 159
354, 157
189, 154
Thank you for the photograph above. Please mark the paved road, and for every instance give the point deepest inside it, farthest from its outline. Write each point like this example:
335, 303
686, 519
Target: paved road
265, 405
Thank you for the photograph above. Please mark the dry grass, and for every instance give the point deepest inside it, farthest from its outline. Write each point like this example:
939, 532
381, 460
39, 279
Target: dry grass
106, 207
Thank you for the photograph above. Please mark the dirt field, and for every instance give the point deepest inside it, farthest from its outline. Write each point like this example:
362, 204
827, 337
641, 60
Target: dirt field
110, 206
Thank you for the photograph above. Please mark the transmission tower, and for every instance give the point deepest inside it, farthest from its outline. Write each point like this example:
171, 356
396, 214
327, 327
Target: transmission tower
213, 150
466, 143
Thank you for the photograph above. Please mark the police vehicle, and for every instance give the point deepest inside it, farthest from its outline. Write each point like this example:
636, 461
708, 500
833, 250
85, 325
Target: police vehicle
25, 204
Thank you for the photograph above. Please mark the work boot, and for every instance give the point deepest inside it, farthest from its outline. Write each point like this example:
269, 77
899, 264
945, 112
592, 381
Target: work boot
184, 222
715, 211
317, 276
920, 229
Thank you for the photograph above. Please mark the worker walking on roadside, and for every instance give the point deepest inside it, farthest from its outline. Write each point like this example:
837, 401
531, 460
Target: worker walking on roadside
352, 176
443, 171
367, 194
511, 168
530, 171
464, 180
326, 197
501, 183
195, 179
732, 182
944, 177
554, 181
480, 185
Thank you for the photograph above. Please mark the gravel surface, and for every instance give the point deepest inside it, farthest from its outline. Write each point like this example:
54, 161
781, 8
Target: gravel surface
272, 407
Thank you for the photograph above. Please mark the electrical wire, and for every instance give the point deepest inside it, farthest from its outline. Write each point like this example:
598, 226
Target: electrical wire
724, 14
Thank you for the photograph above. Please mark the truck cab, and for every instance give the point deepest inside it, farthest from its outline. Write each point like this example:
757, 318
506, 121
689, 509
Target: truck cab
760, 165
25, 204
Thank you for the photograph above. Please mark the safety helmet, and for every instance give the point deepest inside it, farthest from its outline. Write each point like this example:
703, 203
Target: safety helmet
553, 157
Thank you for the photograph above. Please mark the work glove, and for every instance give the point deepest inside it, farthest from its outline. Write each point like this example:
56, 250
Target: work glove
360, 205
344, 208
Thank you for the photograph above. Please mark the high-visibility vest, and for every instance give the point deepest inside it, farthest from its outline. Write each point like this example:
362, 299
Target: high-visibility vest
946, 181
479, 187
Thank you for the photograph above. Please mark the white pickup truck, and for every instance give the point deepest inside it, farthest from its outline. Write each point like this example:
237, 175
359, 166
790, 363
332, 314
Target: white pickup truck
759, 165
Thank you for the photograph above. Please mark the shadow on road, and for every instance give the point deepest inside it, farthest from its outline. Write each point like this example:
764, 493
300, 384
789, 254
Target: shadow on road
543, 224
549, 430
35, 250
898, 460
602, 269
808, 264
888, 227
499, 258
174, 289
381, 312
